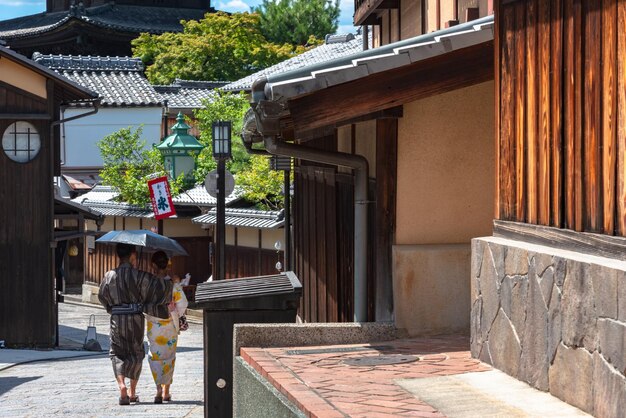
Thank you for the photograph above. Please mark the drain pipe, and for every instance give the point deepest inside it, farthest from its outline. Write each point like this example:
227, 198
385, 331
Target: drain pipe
360, 166
265, 127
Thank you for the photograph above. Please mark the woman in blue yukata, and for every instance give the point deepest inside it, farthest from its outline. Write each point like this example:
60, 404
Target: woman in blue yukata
163, 333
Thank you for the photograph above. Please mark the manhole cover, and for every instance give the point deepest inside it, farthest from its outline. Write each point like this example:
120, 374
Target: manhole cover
380, 360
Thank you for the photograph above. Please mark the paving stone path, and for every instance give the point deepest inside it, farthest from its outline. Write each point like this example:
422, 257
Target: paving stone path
85, 387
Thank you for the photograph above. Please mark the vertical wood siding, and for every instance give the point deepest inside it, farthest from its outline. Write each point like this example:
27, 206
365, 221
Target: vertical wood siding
561, 113
27, 281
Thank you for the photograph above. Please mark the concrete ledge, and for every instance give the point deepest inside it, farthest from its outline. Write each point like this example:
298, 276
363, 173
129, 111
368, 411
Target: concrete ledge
90, 293
297, 335
259, 398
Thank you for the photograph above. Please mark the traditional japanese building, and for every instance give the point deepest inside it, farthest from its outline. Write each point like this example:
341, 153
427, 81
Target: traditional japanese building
96, 27
31, 96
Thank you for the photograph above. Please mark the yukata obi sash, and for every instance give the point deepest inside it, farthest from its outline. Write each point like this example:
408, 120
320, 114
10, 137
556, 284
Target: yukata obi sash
127, 309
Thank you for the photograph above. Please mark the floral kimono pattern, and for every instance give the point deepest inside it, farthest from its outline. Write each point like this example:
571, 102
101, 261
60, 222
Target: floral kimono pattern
163, 338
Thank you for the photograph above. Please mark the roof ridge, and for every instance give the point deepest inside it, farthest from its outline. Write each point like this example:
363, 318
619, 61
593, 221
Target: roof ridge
89, 62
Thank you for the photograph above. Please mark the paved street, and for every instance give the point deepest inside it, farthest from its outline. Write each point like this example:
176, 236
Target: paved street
85, 387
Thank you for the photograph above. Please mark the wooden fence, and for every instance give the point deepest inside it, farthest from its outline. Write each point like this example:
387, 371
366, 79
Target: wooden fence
240, 261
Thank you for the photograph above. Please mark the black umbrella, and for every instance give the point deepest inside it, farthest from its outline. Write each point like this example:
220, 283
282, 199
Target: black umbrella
143, 238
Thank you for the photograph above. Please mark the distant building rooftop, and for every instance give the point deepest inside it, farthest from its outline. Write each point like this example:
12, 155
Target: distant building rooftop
336, 46
187, 94
118, 80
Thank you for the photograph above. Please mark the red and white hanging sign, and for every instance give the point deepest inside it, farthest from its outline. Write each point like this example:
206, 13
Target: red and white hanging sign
162, 204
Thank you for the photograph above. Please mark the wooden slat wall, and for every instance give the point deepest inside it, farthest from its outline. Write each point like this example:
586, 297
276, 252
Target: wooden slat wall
561, 113
244, 261
323, 241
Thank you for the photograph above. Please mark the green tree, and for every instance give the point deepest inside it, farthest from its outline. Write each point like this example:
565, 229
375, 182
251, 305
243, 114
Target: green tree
260, 184
218, 47
295, 21
128, 165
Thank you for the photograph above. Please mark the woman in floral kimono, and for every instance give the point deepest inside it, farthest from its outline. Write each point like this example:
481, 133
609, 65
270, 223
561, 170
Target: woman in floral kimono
163, 333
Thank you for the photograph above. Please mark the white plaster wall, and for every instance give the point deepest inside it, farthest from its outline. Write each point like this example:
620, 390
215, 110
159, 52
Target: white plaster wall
79, 137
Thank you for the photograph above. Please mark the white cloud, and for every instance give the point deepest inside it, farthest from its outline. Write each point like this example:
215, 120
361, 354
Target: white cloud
232, 6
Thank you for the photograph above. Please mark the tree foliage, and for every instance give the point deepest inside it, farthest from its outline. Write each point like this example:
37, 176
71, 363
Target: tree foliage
260, 184
295, 21
227, 107
218, 47
128, 165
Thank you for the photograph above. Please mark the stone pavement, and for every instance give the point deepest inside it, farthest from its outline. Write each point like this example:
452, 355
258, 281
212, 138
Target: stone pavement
422, 377
84, 386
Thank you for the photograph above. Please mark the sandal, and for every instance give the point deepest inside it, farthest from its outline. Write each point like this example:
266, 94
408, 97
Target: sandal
125, 400
134, 398
167, 398
158, 399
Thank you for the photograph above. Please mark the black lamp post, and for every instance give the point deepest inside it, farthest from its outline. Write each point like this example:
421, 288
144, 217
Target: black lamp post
284, 164
221, 153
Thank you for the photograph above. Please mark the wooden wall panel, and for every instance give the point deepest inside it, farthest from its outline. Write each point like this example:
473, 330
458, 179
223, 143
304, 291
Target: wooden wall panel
609, 113
555, 193
621, 118
322, 245
531, 112
520, 111
507, 114
562, 129
543, 139
592, 174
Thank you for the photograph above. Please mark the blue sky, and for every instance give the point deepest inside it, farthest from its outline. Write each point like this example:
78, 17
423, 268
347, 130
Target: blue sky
14, 8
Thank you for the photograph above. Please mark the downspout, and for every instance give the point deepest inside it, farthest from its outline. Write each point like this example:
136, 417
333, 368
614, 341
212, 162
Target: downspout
267, 126
360, 166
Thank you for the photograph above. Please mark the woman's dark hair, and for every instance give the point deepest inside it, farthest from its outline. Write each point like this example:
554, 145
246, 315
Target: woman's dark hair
125, 250
160, 259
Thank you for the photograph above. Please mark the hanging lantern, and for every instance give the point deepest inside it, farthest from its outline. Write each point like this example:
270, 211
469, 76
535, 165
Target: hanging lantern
73, 250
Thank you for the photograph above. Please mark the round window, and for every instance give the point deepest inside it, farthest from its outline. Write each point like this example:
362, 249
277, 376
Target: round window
21, 142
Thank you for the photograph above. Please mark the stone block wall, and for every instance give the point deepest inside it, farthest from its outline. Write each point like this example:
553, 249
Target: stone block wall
555, 319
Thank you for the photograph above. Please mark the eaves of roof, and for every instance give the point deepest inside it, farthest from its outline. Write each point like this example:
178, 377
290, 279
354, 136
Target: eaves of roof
125, 18
306, 80
74, 91
244, 218
118, 209
315, 56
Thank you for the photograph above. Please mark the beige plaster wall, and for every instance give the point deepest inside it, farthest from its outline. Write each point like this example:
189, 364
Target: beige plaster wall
431, 288
249, 237
182, 228
22, 78
446, 167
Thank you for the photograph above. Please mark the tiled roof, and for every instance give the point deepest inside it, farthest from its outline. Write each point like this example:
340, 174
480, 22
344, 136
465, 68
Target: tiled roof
248, 218
118, 209
127, 18
297, 82
336, 47
99, 194
198, 196
89, 63
118, 80
186, 94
